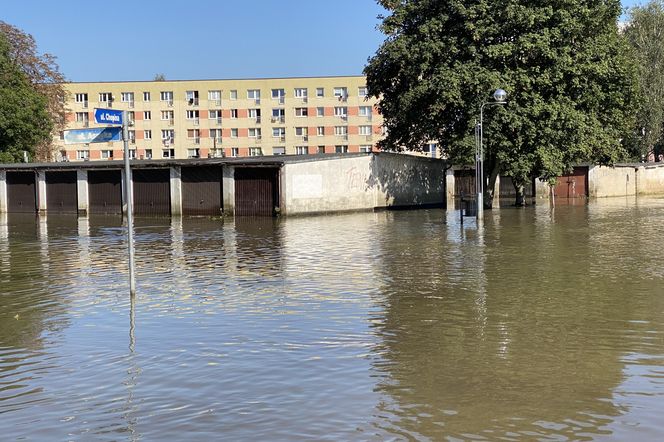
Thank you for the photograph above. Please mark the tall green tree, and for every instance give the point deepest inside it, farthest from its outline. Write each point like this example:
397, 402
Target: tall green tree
24, 118
43, 75
567, 71
645, 34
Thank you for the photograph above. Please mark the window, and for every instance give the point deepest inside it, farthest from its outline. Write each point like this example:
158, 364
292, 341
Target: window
279, 150
167, 134
301, 132
215, 134
148, 154
192, 115
320, 131
193, 153
132, 153
234, 132
215, 97
82, 99
365, 130
147, 134
132, 136
301, 93
82, 154
105, 97
341, 111
301, 150
341, 130
107, 154
234, 114
301, 112
341, 93
320, 92
255, 114
254, 94
278, 93
255, 151
131, 117
362, 91
146, 96
365, 148
194, 135
166, 96
147, 115
320, 111
82, 117
341, 149
192, 97
365, 111
430, 148
233, 94
278, 115
216, 153
235, 152
255, 132
321, 149
215, 114
167, 115
278, 132
127, 97
168, 153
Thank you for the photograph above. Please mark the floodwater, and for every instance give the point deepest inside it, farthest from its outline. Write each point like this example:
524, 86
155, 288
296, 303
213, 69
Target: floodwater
372, 326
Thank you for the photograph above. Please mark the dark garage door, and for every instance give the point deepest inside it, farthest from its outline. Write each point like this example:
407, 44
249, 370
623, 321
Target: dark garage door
105, 191
256, 191
61, 192
21, 192
152, 192
201, 191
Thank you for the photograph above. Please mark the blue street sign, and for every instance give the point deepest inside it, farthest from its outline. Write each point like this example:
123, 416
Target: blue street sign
93, 135
108, 116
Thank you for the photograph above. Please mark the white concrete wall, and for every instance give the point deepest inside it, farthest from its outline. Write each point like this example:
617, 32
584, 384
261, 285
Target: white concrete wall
650, 179
176, 190
3, 191
82, 191
41, 191
361, 183
611, 181
228, 190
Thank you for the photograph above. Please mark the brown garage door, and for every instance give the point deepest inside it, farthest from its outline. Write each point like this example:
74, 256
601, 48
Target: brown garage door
201, 190
573, 185
21, 192
61, 192
464, 183
152, 192
256, 191
105, 191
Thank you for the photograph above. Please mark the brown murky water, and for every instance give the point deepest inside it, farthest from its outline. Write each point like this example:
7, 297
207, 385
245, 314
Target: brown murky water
386, 326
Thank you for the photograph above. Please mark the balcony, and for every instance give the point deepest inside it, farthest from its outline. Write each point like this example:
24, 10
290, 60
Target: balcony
259, 140
167, 141
196, 121
282, 99
281, 119
192, 101
131, 104
171, 122
84, 104
258, 120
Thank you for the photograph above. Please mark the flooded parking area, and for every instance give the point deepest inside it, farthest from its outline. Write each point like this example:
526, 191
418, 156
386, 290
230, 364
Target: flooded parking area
545, 324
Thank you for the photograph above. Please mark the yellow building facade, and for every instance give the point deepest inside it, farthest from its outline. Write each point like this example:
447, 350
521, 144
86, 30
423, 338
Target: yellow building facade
232, 118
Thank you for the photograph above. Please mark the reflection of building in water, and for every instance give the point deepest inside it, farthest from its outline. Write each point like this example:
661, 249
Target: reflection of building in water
538, 356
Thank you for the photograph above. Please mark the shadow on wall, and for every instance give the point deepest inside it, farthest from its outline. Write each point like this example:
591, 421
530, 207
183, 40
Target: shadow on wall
402, 181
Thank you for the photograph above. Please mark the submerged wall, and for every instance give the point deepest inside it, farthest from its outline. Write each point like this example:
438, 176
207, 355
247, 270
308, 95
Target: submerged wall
360, 183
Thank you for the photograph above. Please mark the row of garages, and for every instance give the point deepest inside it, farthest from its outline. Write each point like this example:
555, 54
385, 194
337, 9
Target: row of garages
194, 190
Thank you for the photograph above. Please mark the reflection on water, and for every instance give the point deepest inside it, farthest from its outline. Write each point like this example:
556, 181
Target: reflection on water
546, 324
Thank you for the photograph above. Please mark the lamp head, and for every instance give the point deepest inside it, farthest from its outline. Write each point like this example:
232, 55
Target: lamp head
500, 95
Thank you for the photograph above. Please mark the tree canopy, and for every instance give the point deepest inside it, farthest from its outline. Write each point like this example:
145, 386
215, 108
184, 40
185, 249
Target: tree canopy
567, 71
645, 34
31, 97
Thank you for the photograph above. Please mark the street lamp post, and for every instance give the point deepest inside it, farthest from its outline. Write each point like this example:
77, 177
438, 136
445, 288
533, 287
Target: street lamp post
499, 96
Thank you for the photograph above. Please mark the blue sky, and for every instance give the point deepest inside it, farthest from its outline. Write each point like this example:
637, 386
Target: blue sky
198, 39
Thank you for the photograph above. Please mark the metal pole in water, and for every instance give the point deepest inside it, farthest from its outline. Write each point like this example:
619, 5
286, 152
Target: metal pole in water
130, 204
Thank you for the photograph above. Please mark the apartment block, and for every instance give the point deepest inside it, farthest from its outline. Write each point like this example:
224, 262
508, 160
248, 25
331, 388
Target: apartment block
227, 118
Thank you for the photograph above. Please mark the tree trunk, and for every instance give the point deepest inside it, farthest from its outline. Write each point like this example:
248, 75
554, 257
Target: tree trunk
488, 189
520, 200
